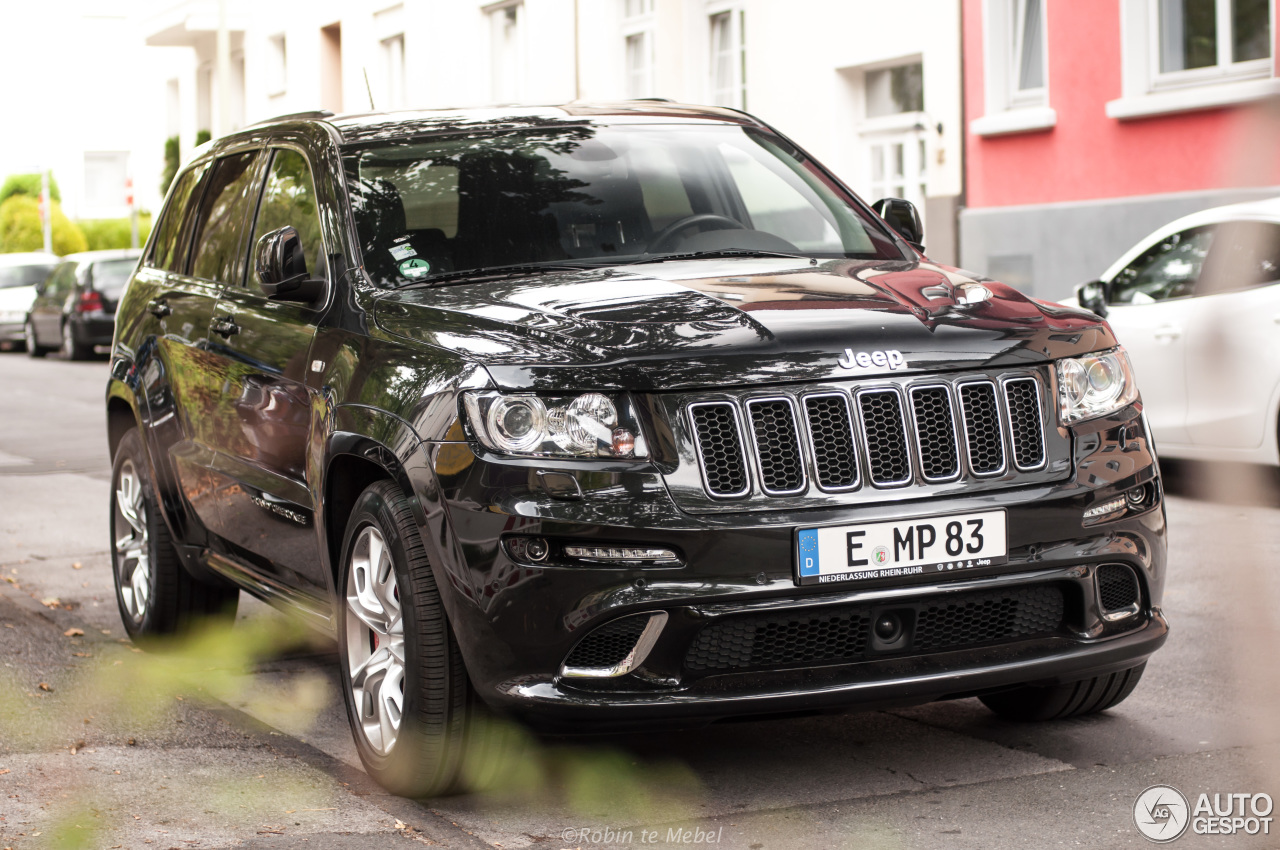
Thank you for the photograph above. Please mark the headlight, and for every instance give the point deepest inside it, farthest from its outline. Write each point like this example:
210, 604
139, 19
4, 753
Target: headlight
587, 425
1095, 385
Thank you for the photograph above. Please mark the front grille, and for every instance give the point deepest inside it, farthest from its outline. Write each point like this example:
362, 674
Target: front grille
777, 445
842, 439
835, 458
1117, 587
1023, 396
609, 645
841, 634
720, 448
886, 438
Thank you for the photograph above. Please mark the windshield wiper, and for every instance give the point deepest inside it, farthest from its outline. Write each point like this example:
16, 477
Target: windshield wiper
725, 252
490, 272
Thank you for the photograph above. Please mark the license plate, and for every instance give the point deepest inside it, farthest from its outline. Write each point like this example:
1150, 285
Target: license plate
901, 547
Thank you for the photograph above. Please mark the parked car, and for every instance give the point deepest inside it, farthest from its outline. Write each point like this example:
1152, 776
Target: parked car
75, 307
612, 415
1197, 306
19, 274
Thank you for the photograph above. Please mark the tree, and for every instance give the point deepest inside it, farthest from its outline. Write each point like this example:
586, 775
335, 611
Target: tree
20, 228
27, 184
172, 159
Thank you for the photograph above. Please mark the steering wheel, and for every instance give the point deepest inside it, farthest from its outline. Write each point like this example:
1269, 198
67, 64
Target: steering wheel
667, 234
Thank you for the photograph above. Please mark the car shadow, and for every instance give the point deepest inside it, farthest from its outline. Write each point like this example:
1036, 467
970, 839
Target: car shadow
1224, 483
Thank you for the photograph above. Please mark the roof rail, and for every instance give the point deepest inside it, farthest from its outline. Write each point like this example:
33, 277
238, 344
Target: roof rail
314, 115
655, 99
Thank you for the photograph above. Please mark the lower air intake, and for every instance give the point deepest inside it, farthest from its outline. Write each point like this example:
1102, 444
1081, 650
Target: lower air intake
616, 648
1117, 588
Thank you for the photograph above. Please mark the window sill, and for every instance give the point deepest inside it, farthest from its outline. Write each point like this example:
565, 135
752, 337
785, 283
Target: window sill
1189, 99
1024, 120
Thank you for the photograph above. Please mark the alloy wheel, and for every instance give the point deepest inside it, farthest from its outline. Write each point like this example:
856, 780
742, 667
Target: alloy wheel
375, 641
133, 551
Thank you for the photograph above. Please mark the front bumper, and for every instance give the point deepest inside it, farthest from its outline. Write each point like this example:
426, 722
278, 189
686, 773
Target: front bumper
518, 622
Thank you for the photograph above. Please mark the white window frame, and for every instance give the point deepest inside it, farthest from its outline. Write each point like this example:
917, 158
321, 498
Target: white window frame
391, 74
1008, 109
393, 64
277, 65
494, 15
738, 85
1149, 91
642, 26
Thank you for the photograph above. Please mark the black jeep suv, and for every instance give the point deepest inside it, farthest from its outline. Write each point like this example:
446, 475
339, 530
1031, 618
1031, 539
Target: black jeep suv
606, 415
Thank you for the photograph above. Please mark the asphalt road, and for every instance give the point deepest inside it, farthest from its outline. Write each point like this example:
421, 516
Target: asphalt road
103, 746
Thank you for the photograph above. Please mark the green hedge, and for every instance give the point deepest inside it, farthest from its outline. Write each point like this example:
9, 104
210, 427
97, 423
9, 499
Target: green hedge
20, 228
27, 184
105, 233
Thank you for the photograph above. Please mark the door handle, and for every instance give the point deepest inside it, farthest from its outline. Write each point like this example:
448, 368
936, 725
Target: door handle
1168, 333
225, 326
158, 308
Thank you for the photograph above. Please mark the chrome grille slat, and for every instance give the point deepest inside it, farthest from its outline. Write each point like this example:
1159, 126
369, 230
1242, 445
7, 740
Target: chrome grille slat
780, 462
1026, 422
884, 433
915, 431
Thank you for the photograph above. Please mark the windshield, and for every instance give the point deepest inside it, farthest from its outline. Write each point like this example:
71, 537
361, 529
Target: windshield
11, 276
110, 276
595, 195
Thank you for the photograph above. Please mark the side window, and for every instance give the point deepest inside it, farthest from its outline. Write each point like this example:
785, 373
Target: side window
290, 200
1168, 269
167, 252
60, 281
221, 221
1245, 254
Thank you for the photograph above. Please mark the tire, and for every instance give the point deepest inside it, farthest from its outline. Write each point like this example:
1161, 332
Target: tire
156, 595
29, 331
1058, 702
420, 729
72, 349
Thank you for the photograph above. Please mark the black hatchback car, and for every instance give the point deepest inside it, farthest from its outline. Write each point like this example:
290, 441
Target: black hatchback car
612, 415
75, 307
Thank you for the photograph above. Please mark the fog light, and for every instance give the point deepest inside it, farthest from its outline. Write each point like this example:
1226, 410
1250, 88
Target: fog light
537, 549
1137, 495
1106, 508
620, 553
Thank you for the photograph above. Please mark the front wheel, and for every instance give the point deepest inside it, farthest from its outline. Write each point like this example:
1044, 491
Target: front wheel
419, 728
29, 333
1058, 702
156, 595
73, 349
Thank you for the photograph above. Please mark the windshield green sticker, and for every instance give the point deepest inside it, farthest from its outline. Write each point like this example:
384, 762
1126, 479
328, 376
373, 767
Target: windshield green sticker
414, 268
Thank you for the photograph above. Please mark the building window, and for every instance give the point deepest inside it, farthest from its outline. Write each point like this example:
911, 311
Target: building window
1221, 35
393, 62
1016, 68
638, 32
729, 59
277, 65
892, 91
505, 24
1181, 55
105, 175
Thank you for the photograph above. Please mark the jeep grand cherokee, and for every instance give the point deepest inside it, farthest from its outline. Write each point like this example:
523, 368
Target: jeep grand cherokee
611, 415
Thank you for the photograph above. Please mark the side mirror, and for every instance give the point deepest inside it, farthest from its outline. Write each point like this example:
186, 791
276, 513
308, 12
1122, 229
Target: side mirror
903, 217
282, 267
1093, 296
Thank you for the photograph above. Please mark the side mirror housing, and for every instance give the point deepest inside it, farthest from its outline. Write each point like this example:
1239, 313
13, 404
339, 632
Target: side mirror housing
903, 217
282, 267
1093, 296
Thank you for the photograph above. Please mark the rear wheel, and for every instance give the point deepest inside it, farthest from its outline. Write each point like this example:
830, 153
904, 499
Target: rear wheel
1058, 702
155, 593
29, 333
419, 728
73, 349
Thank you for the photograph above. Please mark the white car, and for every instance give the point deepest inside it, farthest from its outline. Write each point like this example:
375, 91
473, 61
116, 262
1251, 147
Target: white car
1197, 306
19, 274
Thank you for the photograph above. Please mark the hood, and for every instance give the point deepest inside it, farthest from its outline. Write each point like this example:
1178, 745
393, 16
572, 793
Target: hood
709, 323
17, 299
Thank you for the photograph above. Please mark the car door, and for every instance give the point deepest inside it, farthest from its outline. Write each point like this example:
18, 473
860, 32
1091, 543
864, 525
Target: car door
1149, 305
262, 430
1233, 339
189, 392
